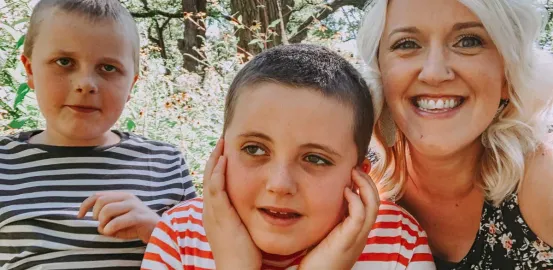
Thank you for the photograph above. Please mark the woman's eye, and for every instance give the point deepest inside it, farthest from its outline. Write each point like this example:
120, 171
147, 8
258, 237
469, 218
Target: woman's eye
254, 150
64, 62
109, 68
469, 42
405, 45
319, 161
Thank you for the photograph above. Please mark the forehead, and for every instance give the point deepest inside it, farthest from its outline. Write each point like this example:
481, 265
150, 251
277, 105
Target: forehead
74, 31
426, 13
296, 115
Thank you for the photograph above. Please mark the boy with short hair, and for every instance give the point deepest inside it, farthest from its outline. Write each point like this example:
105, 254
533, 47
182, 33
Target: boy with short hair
286, 187
81, 57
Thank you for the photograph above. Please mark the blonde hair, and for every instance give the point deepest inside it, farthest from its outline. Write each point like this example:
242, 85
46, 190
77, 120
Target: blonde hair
514, 26
93, 9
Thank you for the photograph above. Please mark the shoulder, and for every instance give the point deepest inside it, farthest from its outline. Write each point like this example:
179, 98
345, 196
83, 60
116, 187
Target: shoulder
393, 216
181, 221
536, 191
397, 236
185, 211
145, 145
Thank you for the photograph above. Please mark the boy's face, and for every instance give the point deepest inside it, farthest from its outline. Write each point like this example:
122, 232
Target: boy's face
290, 155
82, 72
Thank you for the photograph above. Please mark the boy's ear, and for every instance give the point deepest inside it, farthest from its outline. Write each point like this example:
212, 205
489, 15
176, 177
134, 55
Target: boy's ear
366, 166
29, 70
132, 86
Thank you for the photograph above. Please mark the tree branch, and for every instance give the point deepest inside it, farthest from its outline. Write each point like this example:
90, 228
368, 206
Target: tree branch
153, 13
322, 14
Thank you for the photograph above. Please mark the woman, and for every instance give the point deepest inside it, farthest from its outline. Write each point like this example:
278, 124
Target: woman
463, 138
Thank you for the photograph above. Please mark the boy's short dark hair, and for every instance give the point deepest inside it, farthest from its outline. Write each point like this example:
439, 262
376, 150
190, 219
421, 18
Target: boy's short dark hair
92, 9
314, 67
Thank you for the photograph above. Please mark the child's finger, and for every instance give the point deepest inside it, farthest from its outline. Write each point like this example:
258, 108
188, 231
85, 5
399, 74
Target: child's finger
367, 188
119, 223
86, 205
113, 210
369, 196
356, 218
213, 158
103, 201
217, 179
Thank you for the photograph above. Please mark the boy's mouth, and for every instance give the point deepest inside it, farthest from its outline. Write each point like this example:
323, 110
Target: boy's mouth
83, 109
279, 216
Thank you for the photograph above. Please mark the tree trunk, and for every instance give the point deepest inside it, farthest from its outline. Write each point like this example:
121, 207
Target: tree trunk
257, 16
194, 33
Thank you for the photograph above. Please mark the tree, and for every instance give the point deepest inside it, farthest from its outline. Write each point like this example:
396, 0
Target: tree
193, 13
264, 23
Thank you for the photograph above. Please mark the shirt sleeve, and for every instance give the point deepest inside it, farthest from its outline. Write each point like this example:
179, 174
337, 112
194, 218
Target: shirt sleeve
188, 185
162, 251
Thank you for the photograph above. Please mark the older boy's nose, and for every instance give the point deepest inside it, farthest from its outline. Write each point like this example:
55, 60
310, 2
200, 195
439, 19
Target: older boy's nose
86, 84
280, 181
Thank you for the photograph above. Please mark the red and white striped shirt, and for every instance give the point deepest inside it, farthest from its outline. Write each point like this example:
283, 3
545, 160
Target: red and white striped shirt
396, 241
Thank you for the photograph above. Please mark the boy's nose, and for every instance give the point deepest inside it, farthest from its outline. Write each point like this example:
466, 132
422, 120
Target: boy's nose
281, 182
86, 84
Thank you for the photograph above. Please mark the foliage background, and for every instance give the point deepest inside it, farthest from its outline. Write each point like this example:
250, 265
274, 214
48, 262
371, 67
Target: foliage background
191, 50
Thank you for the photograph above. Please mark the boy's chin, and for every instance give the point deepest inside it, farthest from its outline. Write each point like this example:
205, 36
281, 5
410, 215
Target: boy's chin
281, 245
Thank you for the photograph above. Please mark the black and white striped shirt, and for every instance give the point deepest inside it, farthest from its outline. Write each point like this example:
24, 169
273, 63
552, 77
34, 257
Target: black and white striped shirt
42, 188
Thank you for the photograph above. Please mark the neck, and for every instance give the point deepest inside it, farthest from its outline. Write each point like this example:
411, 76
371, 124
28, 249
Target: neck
450, 177
51, 137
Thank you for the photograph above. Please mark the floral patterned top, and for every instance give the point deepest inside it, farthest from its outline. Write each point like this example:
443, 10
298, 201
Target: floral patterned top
504, 241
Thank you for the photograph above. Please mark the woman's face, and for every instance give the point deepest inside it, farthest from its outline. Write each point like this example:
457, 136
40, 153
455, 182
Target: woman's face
443, 77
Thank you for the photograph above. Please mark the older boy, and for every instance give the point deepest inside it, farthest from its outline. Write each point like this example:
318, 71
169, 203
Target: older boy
81, 58
282, 193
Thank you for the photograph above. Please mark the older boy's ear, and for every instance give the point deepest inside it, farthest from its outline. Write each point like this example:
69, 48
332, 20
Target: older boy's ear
132, 86
29, 70
366, 166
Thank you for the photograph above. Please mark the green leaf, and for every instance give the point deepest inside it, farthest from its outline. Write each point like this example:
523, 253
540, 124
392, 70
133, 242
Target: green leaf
10, 30
21, 93
131, 125
19, 122
20, 42
274, 23
254, 41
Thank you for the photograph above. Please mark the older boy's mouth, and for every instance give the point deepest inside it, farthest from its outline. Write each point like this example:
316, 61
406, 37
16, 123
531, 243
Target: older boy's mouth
279, 216
83, 109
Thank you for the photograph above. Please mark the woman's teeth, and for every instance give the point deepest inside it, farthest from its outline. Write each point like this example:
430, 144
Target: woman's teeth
427, 104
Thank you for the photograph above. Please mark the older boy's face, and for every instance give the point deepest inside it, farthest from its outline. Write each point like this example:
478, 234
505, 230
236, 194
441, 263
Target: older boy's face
82, 72
290, 155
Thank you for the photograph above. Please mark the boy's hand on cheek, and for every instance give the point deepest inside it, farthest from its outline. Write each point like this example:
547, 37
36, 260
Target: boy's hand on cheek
121, 215
345, 243
230, 241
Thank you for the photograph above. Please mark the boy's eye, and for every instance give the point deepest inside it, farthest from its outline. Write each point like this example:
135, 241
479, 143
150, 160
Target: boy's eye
319, 161
64, 62
405, 44
254, 150
109, 68
469, 42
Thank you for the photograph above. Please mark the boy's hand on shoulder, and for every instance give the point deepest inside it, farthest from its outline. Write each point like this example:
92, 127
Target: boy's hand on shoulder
228, 237
121, 215
345, 243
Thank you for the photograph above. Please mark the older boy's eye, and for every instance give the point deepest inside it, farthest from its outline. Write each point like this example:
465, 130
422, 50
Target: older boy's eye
64, 62
317, 160
109, 68
254, 150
